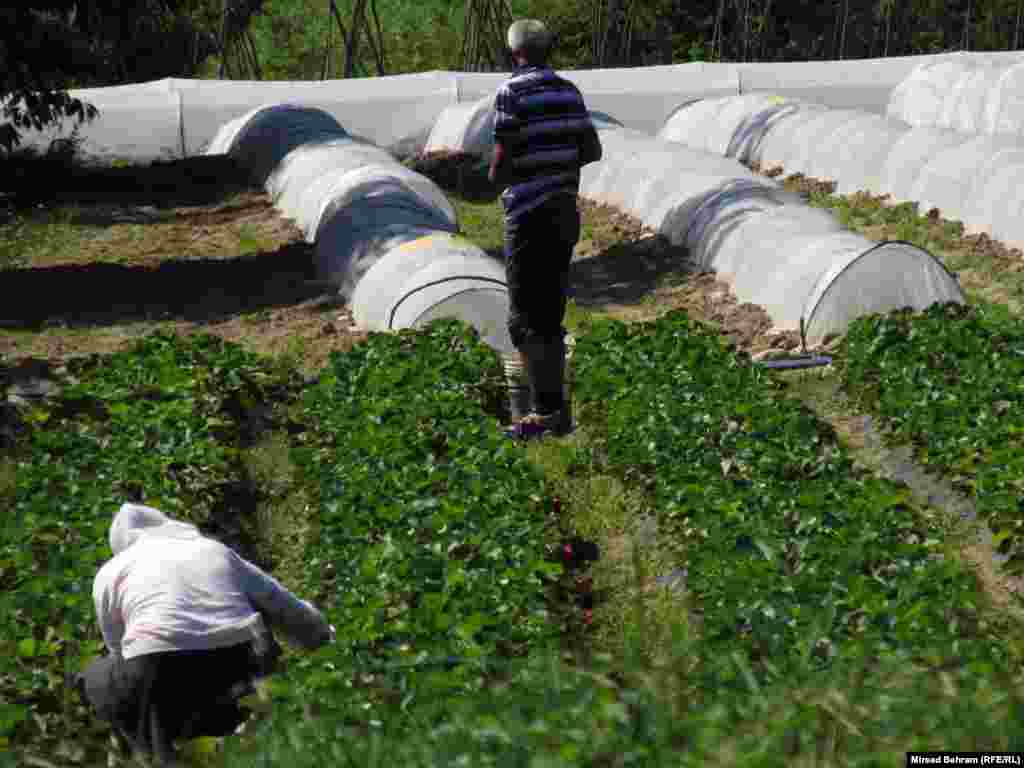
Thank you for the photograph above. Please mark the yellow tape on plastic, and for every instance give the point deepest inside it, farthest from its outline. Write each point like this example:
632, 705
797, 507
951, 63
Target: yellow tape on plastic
427, 240
419, 243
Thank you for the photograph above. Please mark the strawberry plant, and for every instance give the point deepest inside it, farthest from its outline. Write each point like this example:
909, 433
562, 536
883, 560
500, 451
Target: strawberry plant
429, 556
819, 593
949, 382
795, 558
164, 421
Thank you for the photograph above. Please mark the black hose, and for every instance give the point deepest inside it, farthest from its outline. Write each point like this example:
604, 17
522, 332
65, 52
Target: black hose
791, 363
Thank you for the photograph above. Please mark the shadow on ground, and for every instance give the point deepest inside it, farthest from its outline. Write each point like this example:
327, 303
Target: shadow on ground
33, 180
197, 290
458, 173
625, 273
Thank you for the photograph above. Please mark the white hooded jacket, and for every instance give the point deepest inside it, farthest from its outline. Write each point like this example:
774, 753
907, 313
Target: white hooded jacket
169, 588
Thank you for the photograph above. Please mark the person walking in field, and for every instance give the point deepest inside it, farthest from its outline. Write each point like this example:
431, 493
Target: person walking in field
543, 135
183, 618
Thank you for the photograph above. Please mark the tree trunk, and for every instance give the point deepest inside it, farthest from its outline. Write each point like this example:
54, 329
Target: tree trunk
379, 50
835, 30
888, 25
376, 45
842, 37
966, 43
1016, 30
254, 57
352, 44
765, 29
325, 68
342, 29
716, 35
613, 40
223, 42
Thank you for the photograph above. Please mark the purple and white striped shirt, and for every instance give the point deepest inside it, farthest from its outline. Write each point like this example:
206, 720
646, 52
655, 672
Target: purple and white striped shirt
541, 121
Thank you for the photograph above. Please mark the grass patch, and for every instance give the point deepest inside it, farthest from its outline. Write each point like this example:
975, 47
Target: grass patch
41, 236
283, 520
8, 475
249, 240
634, 617
483, 223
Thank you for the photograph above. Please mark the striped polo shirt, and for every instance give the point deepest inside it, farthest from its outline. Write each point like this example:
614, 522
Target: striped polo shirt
540, 120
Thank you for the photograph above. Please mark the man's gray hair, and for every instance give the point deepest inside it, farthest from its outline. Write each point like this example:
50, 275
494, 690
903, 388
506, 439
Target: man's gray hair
530, 36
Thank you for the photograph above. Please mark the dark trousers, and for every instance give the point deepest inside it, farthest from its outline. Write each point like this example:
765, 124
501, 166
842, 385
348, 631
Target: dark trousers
154, 699
538, 249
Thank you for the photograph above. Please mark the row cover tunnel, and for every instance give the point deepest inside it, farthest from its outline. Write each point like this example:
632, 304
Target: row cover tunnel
968, 177
388, 238
383, 235
797, 262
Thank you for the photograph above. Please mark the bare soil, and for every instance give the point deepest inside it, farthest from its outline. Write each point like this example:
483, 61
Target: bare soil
626, 270
187, 247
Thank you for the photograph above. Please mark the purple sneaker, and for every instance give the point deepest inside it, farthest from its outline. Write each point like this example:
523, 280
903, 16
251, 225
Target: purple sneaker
537, 425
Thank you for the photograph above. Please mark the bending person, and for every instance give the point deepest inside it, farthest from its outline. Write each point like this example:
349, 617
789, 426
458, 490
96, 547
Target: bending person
182, 617
543, 135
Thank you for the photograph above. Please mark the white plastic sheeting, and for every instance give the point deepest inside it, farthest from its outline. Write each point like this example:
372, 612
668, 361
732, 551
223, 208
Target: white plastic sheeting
643, 97
796, 262
386, 110
465, 128
970, 94
978, 180
846, 146
861, 84
178, 117
729, 126
261, 139
469, 128
138, 123
384, 235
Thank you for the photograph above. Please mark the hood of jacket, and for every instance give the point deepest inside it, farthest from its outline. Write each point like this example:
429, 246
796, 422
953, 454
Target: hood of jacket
133, 521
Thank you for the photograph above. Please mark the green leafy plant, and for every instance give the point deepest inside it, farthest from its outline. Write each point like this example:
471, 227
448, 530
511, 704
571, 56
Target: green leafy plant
948, 381
161, 422
795, 556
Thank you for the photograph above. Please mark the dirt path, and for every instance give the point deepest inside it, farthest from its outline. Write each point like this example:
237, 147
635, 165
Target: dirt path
625, 270
184, 255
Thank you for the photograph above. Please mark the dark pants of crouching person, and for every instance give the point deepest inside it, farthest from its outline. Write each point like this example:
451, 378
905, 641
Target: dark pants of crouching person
152, 700
538, 249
